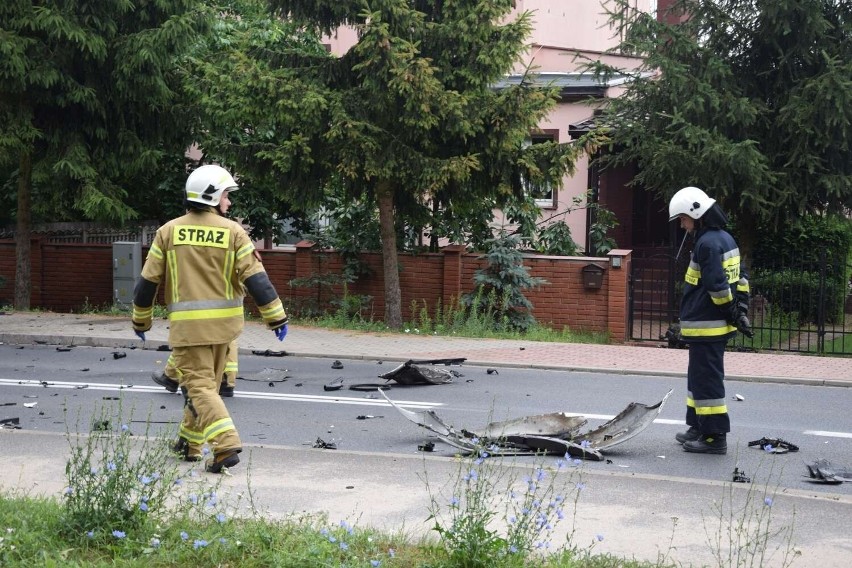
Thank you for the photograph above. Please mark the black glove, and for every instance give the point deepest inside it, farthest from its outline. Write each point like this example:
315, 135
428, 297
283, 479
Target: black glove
737, 317
743, 325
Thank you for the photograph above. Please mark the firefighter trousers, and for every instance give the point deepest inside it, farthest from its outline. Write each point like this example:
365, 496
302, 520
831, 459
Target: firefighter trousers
231, 366
205, 417
706, 408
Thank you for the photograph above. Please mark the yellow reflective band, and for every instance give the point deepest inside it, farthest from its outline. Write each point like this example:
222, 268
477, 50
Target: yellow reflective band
690, 402
216, 313
155, 252
142, 313
199, 235
706, 331
218, 428
231, 367
226, 274
274, 312
723, 300
244, 250
191, 436
707, 410
173, 270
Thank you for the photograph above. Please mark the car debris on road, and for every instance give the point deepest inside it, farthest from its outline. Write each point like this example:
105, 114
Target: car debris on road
551, 434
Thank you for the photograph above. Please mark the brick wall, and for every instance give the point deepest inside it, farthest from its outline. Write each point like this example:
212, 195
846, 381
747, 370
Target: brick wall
67, 277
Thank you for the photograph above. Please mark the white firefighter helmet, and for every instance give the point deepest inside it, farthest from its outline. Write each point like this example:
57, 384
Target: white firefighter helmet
206, 184
690, 201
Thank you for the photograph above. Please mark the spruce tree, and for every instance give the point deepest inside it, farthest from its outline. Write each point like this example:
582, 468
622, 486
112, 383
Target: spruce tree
90, 107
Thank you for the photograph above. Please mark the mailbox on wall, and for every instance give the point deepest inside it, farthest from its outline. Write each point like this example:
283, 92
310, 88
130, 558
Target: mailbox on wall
593, 276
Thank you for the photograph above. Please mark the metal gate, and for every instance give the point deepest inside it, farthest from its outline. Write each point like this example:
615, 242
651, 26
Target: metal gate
798, 304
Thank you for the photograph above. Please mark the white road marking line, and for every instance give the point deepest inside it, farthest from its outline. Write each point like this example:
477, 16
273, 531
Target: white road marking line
828, 434
261, 396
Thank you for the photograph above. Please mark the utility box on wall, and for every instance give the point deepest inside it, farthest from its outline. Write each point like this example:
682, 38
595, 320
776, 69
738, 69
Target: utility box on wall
593, 276
126, 266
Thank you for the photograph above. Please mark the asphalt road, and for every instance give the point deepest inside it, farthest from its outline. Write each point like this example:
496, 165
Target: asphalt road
281, 401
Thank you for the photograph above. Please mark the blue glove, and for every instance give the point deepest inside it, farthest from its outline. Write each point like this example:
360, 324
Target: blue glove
140, 335
281, 332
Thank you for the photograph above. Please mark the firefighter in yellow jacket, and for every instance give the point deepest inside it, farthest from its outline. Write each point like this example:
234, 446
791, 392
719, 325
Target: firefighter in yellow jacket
205, 262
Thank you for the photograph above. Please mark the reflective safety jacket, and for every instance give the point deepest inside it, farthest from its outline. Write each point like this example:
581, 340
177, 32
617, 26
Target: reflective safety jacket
712, 280
207, 262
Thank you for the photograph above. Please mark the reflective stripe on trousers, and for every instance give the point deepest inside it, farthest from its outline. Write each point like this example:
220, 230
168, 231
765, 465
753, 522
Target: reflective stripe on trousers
706, 408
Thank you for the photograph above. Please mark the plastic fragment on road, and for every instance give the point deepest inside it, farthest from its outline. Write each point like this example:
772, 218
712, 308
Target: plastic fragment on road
334, 385
10, 423
822, 471
269, 353
416, 372
556, 433
322, 444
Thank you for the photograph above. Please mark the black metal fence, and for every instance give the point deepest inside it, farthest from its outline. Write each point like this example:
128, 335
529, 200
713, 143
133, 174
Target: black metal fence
800, 303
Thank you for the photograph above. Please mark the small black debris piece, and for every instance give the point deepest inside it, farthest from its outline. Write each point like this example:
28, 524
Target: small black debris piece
64, 349
109, 398
337, 365
774, 445
298, 384
426, 447
84, 370
8, 403
100, 426
323, 445
334, 385
270, 353
164, 348
492, 371
740, 476
119, 354
366, 387
271, 383
11, 423
367, 416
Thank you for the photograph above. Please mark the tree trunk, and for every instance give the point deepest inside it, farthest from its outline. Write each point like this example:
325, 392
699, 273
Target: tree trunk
23, 279
390, 261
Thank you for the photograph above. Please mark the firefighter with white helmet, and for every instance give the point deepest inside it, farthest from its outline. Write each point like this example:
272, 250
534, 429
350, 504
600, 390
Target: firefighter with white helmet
713, 308
205, 262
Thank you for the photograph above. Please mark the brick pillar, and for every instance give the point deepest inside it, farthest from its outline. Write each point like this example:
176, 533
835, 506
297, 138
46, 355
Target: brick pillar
304, 267
452, 273
617, 293
37, 271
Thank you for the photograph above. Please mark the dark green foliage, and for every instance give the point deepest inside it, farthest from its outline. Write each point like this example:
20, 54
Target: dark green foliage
806, 267
91, 101
750, 100
500, 286
555, 238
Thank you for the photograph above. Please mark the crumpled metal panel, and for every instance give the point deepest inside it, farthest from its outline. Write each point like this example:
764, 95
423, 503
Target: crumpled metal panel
550, 434
416, 373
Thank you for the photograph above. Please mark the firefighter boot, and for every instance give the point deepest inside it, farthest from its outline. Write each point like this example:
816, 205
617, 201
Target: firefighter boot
165, 381
226, 459
183, 448
690, 435
708, 444
225, 390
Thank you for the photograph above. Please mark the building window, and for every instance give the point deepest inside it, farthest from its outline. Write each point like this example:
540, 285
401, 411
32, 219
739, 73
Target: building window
544, 194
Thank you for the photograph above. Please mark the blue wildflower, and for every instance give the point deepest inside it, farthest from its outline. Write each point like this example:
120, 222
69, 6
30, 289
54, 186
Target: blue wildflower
111, 466
599, 537
90, 534
768, 501
125, 427
513, 549
155, 543
68, 490
222, 540
118, 534
454, 501
183, 535
221, 517
391, 552
145, 480
143, 506
375, 563
199, 544
93, 471
343, 546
